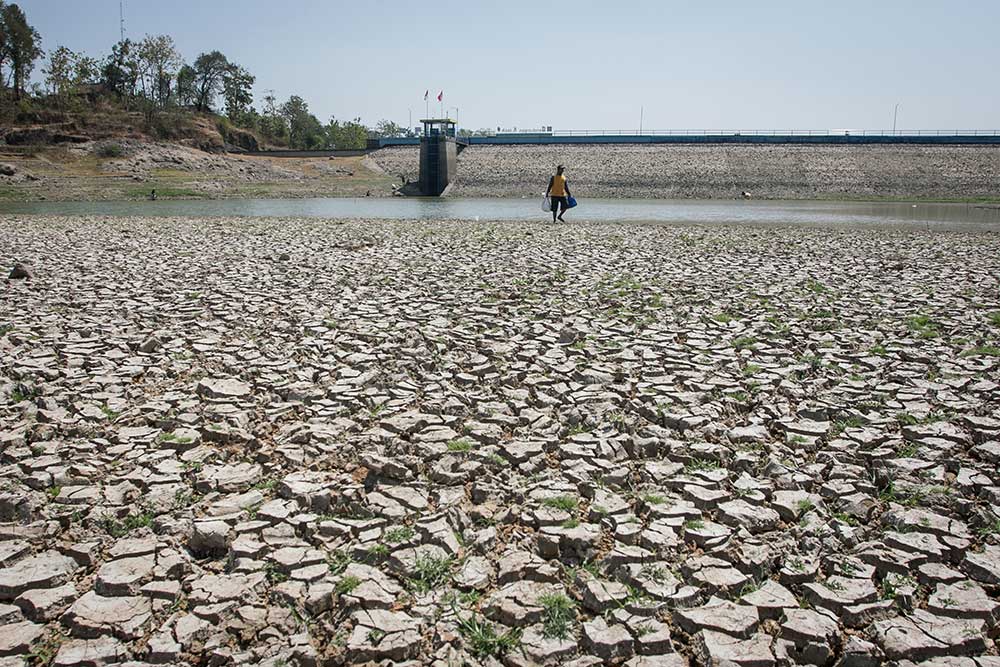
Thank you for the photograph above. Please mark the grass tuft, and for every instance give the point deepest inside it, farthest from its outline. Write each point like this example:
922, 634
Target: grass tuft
398, 534
118, 529
566, 503
429, 572
347, 584
460, 445
560, 612
483, 641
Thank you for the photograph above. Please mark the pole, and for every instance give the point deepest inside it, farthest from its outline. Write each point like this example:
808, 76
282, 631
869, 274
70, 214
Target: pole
410, 126
121, 18
640, 120
894, 113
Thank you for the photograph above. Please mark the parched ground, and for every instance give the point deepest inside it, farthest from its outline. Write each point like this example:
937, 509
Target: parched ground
285, 442
722, 171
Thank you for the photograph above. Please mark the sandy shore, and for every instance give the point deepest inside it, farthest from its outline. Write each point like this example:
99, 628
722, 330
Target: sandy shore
302, 442
723, 171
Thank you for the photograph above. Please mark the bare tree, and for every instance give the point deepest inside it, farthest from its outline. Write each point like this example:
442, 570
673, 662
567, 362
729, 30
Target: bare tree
3, 46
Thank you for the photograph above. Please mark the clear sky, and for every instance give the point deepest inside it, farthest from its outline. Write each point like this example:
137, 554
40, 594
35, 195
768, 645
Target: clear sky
781, 64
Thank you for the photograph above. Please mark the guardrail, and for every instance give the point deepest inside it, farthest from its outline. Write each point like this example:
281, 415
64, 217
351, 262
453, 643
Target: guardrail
730, 133
772, 133
847, 136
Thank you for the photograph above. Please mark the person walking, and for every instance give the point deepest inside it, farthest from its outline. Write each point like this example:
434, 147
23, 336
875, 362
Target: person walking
558, 190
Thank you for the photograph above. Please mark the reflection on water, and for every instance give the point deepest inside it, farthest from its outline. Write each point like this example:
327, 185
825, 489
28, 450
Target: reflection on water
966, 217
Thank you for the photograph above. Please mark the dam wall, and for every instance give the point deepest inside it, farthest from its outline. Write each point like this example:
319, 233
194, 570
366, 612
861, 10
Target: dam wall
930, 138
720, 170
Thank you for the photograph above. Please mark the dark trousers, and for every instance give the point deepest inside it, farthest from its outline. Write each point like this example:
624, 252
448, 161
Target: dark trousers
559, 204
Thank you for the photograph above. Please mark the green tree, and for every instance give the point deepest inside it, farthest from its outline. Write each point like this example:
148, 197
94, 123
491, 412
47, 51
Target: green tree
158, 62
304, 130
209, 70
59, 74
387, 128
186, 92
271, 124
86, 70
120, 73
237, 90
22, 46
349, 134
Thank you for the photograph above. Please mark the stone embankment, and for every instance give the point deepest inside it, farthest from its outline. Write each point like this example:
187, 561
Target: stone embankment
253, 442
721, 171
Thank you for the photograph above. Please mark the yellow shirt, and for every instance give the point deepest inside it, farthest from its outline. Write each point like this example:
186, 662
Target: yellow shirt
558, 186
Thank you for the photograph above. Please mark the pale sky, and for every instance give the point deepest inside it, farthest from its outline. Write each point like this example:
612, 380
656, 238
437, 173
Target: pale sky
789, 64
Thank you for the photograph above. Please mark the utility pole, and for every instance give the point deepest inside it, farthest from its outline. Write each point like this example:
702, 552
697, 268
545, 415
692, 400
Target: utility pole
894, 113
640, 119
121, 18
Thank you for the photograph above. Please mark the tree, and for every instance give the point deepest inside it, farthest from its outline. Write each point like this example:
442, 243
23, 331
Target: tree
271, 123
21, 45
237, 90
186, 92
209, 70
120, 73
350, 134
67, 72
304, 130
158, 61
3, 45
387, 128
86, 70
59, 74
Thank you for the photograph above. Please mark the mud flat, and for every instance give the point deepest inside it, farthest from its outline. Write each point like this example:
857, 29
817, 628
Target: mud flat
722, 171
265, 442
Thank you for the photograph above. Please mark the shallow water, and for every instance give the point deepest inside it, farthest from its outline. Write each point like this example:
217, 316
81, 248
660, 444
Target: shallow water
957, 217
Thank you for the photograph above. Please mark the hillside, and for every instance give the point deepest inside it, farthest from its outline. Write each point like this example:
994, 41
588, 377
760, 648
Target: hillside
109, 154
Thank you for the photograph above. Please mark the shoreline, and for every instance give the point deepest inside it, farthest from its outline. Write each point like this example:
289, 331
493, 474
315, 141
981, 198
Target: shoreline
770, 173
793, 214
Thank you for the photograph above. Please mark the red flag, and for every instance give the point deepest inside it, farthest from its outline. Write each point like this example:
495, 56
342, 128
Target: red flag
426, 93
440, 96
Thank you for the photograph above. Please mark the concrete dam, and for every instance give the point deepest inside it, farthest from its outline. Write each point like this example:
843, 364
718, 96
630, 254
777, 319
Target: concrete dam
827, 170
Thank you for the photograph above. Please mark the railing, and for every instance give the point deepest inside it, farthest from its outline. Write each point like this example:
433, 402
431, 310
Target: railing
777, 133
746, 133
724, 136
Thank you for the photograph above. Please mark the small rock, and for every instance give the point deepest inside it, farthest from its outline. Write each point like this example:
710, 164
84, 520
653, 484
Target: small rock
224, 388
17, 638
20, 272
609, 643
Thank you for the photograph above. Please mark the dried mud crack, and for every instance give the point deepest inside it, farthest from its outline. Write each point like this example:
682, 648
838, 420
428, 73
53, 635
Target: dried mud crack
293, 442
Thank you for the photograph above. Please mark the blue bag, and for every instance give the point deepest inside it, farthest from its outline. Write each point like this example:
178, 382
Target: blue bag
570, 202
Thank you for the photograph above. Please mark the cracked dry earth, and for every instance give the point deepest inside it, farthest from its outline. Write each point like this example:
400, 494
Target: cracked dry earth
288, 442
